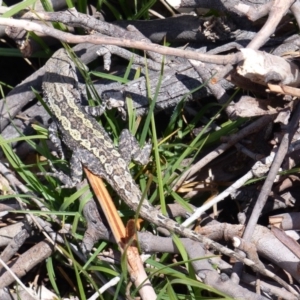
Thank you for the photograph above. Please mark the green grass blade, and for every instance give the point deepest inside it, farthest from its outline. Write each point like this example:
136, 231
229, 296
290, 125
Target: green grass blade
144, 10
109, 76
170, 292
51, 274
17, 8
79, 286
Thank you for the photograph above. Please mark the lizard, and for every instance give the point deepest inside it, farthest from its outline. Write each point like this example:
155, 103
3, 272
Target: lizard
93, 148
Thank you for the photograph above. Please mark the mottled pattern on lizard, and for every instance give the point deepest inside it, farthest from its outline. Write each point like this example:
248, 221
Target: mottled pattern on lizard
93, 148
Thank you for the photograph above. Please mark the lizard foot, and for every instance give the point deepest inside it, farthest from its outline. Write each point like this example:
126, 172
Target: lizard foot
66, 180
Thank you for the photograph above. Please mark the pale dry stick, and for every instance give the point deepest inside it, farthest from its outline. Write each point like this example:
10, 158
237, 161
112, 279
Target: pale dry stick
254, 13
156, 14
284, 90
72, 17
100, 40
106, 286
168, 7
295, 9
278, 10
253, 127
199, 211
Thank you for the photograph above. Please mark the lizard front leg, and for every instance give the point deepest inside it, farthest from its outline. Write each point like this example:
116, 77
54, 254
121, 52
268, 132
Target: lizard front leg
94, 111
131, 150
54, 138
80, 98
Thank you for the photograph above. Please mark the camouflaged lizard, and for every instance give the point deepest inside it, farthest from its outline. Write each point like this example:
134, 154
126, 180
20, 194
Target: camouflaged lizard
93, 148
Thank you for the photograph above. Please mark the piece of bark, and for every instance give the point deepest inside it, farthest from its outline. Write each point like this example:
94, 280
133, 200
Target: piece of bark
15, 244
262, 68
7, 233
251, 107
5, 294
231, 8
9, 205
185, 28
287, 221
176, 85
25, 262
150, 243
224, 284
286, 240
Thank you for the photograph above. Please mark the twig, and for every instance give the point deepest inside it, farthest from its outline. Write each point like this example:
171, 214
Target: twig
99, 40
278, 10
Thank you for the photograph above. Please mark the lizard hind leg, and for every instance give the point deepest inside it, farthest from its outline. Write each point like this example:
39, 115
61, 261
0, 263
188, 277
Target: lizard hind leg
76, 172
131, 150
